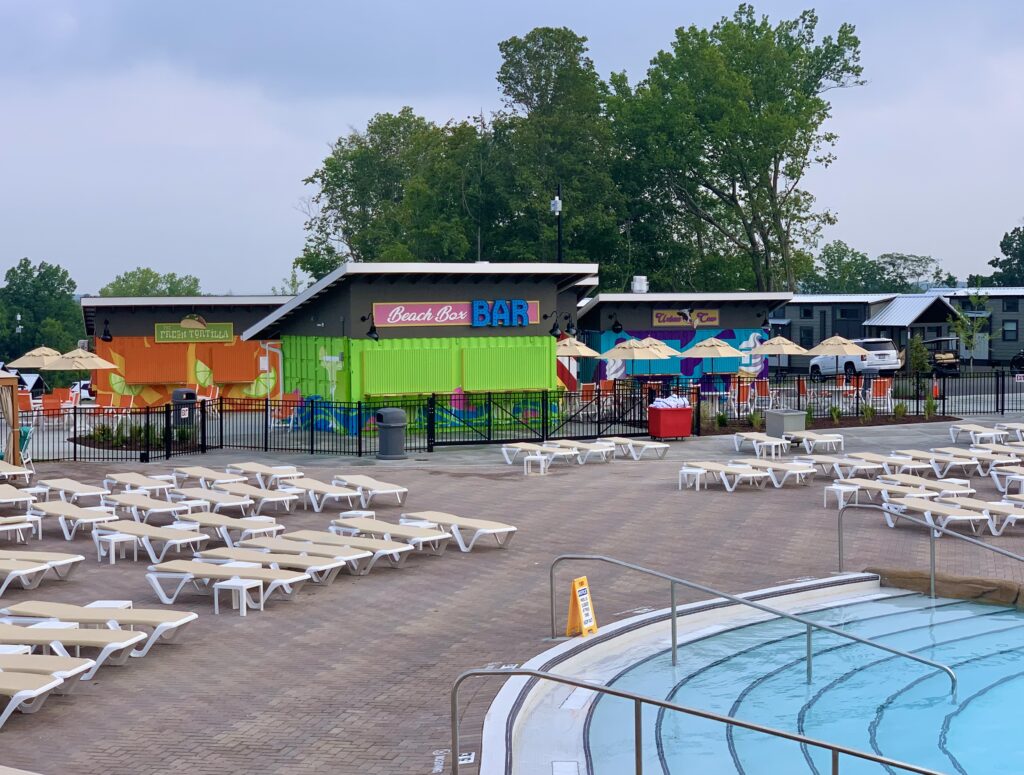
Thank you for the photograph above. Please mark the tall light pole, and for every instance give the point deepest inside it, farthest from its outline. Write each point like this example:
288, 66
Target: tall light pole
556, 208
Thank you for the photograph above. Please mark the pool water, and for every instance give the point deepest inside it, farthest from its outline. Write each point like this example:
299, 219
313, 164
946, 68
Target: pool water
860, 696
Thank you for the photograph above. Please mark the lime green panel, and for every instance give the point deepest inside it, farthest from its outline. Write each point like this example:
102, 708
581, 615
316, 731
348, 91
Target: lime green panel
506, 368
315, 366
408, 371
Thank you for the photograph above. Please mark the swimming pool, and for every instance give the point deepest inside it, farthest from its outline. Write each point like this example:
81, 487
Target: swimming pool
859, 696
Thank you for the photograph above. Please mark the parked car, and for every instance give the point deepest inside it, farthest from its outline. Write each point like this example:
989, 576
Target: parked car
944, 356
882, 357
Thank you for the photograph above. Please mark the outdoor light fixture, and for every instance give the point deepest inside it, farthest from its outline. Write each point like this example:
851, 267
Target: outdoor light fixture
555, 331
616, 326
372, 332
571, 328
105, 336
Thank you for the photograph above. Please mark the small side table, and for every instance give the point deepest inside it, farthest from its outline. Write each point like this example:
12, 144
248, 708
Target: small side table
240, 599
844, 493
358, 514
542, 461
113, 541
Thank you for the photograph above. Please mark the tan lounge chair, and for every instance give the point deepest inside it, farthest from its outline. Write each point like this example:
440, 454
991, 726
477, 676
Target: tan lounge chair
762, 443
636, 448
214, 500
28, 574
18, 526
987, 460
8, 471
321, 570
1015, 429
207, 477
948, 486
73, 517
163, 626
942, 463
110, 646
157, 541
977, 432
67, 669
421, 538
317, 493
513, 449
894, 464
934, 513
586, 450
60, 563
370, 488
25, 692
884, 488
503, 533
202, 575
72, 491
731, 476
841, 465
778, 471
142, 507
1005, 477
266, 476
223, 526
812, 439
260, 496
134, 482
1008, 512
330, 544
12, 496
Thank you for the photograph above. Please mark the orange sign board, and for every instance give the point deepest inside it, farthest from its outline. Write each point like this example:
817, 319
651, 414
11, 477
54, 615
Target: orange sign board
582, 619
685, 318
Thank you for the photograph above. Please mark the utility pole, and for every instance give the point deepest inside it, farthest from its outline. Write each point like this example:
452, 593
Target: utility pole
556, 208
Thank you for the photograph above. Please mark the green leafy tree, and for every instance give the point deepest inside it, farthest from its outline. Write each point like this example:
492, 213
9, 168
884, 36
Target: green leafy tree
291, 285
43, 295
144, 281
841, 269
729, 121
1009, 267
917, 356
969, 328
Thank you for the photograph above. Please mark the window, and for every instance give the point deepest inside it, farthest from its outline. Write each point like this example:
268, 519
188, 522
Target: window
1009, 330
807, 312
806, 337
1011, 305
848, 313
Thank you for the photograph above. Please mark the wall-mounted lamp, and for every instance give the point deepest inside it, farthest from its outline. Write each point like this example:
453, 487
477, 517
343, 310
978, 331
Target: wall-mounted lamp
766, 322
571, 328
372, 331
106, 336
555, 331
616, 326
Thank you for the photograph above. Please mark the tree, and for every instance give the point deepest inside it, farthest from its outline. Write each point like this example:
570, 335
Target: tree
1009, 268
728, 122
841, 269
290, 285
968, 328
144, 281
43, 295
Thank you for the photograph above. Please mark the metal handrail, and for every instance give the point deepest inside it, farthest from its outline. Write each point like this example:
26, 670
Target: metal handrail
808, 623
932, 537
638, 702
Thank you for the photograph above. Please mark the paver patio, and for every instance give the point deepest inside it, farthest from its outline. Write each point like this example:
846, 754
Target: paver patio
354, 678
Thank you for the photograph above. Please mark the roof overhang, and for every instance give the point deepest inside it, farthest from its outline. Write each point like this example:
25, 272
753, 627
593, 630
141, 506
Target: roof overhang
771, 299
567, 275
92, 304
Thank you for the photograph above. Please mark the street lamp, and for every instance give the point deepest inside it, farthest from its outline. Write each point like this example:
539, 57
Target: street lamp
556, 208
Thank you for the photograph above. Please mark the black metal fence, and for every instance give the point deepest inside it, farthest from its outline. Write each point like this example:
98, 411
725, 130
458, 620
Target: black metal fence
316, 426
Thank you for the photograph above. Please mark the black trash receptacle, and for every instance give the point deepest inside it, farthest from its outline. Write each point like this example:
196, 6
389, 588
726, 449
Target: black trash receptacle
391, 424
183, 402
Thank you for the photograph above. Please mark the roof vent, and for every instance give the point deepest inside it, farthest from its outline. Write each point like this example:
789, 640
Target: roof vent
639, 284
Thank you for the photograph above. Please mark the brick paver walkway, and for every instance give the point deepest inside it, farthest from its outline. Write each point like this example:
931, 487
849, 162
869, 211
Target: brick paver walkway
354, 678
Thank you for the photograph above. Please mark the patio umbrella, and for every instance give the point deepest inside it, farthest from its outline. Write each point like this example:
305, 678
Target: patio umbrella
35, 359
778, 345
837, 346
657, 344
634, 350
78, 360
712, 348
574, 348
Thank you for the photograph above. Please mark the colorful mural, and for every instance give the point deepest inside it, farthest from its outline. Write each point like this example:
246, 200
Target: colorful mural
743, 339
148, 372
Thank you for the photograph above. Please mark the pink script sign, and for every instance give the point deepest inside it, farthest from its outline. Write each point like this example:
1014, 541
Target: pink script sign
431, 313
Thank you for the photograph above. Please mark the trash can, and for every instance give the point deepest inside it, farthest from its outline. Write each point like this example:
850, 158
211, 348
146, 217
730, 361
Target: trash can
391, 424
183, 402
778, 422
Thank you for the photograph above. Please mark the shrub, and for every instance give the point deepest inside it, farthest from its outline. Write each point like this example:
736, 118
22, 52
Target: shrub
836, 414
809, 416
899, 411
918, 354
931, 408
756, 420
867, 414
184, 433
722, 419
102, 434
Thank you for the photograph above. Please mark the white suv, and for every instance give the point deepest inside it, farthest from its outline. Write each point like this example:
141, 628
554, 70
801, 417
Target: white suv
882, 356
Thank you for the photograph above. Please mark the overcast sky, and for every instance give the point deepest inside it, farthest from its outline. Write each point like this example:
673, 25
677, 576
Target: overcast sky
176, 134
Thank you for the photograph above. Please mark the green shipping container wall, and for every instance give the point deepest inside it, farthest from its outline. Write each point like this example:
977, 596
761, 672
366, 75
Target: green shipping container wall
344, 369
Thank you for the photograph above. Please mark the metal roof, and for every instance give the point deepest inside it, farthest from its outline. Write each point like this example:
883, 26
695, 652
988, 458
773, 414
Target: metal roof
841, 298
572, 273
90, 304
772, 299
905, 309
963, 292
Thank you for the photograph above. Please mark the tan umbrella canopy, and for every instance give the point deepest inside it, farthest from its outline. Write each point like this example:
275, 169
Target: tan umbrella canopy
713, 348
657, 344
35, 359
574, 348
634, 350
837, 345
778, 345
78, 360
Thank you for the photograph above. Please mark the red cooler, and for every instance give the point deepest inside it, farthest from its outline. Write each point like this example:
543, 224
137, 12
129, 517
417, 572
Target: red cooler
670, 423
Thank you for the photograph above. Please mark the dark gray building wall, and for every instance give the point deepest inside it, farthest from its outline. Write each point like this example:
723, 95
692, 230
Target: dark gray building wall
141, 321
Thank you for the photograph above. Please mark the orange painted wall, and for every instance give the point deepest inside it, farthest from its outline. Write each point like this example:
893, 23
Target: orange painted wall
148, 372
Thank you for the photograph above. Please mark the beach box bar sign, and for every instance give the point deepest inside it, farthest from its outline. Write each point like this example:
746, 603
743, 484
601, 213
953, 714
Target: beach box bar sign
193, 328
685, 318
480, 313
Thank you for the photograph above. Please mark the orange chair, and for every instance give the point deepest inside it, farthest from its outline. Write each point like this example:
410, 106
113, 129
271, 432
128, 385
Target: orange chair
608, 386
740, 397
51, 407
63, 394
881, 393
763, 396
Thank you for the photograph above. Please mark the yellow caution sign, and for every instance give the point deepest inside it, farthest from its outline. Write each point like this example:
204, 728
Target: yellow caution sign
582, 619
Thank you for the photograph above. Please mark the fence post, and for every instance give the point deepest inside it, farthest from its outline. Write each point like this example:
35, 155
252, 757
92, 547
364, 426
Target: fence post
359, 427
266, 424
220, 422
917, 394
1001, 392
490, 416
144, 455
944, 396
312, 425
202, 426
696, 414
431, 421
74, 435
544, 416
167, 431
